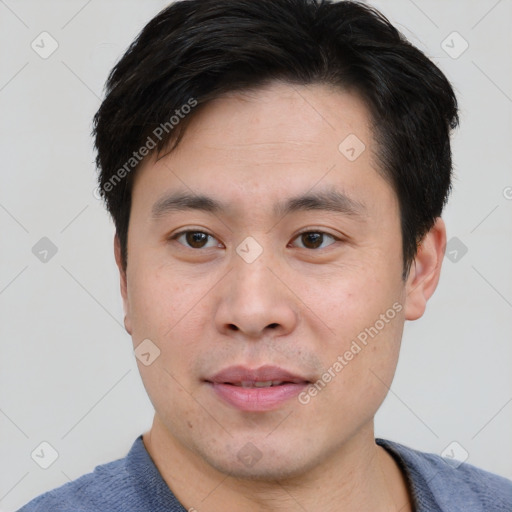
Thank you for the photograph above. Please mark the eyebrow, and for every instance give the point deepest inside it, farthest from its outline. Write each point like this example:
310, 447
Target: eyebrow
329, 200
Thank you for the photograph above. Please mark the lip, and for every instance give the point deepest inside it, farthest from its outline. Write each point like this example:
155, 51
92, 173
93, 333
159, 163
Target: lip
227, 385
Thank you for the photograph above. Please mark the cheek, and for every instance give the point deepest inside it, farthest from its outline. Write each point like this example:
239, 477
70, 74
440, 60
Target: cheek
370, 353
158, 301
171, 312
364, 308
352, 298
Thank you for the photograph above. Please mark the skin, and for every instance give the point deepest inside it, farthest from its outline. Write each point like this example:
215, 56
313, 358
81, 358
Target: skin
295, 306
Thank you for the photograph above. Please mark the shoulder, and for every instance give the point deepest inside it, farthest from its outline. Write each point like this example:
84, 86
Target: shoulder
449, 485
95, 491
130, 483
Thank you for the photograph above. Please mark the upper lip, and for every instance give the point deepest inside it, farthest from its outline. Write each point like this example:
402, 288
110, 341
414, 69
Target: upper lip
239, 374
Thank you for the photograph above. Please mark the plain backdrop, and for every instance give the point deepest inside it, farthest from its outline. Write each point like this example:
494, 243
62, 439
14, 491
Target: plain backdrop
67, 371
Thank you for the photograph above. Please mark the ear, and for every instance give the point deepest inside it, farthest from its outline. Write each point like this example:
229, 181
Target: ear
425, 271
124, 284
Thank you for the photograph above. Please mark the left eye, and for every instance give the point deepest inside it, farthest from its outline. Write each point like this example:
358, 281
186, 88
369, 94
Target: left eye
314, 239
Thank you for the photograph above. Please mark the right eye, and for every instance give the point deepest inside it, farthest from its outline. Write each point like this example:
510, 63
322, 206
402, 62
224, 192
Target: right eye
194, 239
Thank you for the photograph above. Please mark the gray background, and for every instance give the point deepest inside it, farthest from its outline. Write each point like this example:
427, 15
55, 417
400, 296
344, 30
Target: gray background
67, 372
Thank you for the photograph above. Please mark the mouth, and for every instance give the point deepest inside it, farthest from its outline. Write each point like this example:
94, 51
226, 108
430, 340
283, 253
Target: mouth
256, 390
259, 384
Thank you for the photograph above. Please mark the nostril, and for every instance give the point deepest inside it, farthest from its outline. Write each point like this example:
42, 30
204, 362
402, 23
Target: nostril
273, 326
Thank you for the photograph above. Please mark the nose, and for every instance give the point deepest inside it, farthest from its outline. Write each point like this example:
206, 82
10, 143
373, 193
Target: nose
254, 302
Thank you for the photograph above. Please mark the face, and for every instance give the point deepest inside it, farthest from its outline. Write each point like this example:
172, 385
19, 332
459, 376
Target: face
280, 264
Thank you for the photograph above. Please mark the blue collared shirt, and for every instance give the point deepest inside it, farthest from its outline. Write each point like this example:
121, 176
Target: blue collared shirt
134, 484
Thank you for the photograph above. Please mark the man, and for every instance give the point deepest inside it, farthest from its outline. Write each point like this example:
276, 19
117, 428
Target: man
276, 171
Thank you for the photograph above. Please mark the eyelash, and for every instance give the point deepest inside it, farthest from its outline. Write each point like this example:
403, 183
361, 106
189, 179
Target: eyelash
309, 231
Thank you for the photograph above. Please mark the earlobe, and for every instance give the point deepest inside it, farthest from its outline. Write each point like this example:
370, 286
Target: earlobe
425, 271
123, 284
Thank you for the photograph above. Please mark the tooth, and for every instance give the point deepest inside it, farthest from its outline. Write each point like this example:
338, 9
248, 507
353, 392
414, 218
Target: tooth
265, 384
246, 384
277, 382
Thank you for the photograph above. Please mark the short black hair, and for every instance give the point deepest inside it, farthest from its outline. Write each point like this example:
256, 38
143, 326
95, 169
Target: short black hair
196, 50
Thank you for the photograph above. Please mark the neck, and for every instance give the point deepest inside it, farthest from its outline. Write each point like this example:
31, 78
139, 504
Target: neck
359, 475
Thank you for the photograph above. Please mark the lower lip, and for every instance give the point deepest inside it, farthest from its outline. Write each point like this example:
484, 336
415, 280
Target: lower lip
257, 399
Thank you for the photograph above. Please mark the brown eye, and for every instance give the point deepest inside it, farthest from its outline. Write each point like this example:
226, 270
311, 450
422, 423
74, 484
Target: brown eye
194, 239
314, 239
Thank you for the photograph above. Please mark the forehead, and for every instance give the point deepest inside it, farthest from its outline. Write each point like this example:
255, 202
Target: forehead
281, 117
279, 140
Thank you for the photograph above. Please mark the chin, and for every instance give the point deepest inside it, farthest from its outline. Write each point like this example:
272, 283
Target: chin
247, 462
